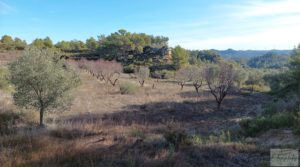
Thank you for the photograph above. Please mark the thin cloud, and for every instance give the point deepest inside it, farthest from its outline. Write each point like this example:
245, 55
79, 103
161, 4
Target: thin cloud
256, 24
263, 8
279, 38
6, 9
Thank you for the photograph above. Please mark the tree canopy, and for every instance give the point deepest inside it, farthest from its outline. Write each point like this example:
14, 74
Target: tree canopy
269, 60
121, 45
42, 80
180, 57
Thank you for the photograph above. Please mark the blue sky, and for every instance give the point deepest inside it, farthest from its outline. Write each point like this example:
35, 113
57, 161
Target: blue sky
193, 24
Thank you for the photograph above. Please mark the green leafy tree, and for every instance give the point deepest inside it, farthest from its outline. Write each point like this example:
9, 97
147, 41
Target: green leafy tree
42, 43
198, 56
77, 46
19, 43
63, 45
91, 44
269, 60
42, 81
48, 42
295, 63
6, 39
127, 47
179, 57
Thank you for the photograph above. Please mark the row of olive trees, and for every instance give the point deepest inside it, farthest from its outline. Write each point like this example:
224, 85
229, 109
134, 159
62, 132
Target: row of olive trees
219, 78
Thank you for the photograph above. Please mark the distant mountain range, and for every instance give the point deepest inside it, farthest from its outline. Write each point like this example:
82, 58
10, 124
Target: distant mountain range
230, 53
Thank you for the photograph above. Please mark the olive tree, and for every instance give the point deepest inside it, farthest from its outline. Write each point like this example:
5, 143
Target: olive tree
220, 79
42, 81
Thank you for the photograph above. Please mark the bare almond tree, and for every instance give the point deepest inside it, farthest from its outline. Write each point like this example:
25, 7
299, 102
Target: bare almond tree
142, 74
108, 71
220, 79
196, 77
112, 71
182, 76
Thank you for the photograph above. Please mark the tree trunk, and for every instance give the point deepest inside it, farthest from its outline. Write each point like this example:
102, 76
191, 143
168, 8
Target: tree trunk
219, 105
181, 86
42, 116
197, 89
142, 83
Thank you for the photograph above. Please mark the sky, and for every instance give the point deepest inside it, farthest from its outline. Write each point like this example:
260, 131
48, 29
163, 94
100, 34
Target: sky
192, 24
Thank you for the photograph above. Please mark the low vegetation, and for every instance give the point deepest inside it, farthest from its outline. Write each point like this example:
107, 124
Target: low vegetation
128, 88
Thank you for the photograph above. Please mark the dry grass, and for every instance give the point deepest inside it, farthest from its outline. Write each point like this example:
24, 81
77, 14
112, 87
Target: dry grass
105, 128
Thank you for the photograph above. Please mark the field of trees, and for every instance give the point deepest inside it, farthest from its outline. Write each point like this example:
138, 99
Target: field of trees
128, 99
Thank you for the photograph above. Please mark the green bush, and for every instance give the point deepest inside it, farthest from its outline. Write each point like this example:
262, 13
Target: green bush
177, 138
252, 127
129, 69
128, 88
70, 133
4, 74
163, 74
7, 121
137, 133
297, 124
285, 119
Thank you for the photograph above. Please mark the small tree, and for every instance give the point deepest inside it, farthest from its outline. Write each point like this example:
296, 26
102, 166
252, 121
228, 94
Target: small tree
241, 77
180, 57
254, 78
196, 76
112, 70
142, 74
108, 71
42, 81
182, 76
220, 80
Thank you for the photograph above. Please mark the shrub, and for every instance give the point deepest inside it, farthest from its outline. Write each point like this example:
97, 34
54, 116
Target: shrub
137, 133
4, 84
128, 69
285, 119
197, 140
128, 88
7, 120
169, 74
252, 127
297, 124
163, 74
225, 136
177, 138
70, 133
